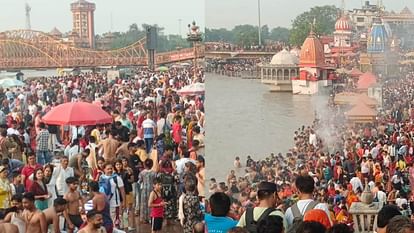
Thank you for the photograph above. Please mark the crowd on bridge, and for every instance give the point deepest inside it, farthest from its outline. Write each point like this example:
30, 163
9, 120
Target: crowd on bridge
329, 167
228, 47
147, 165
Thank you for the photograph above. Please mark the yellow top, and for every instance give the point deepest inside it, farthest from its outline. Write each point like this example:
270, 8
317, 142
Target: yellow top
142, 154
95, 133
4, 194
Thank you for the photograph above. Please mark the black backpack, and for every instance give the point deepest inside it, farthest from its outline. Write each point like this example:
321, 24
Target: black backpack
168, 187
251, 224
297, 215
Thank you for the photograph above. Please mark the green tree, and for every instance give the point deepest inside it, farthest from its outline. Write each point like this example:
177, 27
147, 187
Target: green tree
265, 33
325, 18
215, 35
246, 35
280, 34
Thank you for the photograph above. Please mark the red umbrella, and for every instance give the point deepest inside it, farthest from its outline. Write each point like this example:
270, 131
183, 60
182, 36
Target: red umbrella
77, 113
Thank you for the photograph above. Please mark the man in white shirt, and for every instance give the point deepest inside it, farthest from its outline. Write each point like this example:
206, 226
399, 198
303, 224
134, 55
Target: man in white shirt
13, 129
61, 173
356, 183
305, 186
312, 138
117, 190
180, 163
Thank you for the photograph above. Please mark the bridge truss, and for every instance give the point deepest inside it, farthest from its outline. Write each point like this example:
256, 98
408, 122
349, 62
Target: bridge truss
20, 49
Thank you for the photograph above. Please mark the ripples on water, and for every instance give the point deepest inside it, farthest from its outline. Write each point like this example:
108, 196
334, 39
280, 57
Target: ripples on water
244, 118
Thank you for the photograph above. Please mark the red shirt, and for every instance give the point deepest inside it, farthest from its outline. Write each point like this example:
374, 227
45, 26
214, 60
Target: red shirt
157, 212
37, 189
28, 171
176, 134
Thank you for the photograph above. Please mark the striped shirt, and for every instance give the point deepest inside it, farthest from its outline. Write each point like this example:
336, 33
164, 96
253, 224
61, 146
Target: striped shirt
148, 125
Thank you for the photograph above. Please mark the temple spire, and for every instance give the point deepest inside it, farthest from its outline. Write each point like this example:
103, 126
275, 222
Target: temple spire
312, 27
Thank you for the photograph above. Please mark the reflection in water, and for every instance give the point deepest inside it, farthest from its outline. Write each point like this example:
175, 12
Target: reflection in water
244, 118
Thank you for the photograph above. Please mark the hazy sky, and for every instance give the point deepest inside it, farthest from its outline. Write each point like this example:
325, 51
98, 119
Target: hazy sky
228, 13
47, 14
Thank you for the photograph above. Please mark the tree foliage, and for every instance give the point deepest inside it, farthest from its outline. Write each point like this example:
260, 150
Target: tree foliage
135, 33
280, 34
247, 35
324, 17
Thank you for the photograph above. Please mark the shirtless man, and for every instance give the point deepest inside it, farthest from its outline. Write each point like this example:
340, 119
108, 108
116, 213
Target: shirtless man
34, 218
74, 199
54, 212
101, 204
109, 146
94, 225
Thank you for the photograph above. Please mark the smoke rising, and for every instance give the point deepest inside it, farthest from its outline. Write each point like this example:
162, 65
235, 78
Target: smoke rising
330, 123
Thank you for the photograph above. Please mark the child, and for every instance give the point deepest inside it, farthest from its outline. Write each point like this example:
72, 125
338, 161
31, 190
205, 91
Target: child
237, 163
156, 203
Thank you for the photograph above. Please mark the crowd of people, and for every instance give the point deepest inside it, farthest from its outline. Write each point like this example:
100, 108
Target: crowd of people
146, 167
236, 67
223, 46
312, 187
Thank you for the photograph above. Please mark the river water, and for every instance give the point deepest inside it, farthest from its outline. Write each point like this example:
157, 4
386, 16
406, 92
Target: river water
244, 118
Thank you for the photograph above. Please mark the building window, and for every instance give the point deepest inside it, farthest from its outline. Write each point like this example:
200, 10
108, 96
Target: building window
286, 75
360, 19
293, 73
279, 74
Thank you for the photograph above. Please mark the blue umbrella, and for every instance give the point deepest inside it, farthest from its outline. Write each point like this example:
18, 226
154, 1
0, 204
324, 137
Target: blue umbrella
9, 82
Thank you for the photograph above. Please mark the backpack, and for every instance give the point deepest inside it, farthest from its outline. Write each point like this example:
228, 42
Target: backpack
105, 187
168, 189
297, 215
251, 224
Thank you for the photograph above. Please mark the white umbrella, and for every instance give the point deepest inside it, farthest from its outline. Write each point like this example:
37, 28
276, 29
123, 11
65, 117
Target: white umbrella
193, 89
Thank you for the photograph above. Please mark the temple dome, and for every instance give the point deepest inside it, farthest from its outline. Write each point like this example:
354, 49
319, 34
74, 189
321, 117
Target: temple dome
295, 51
312, 53
284, 57
55, 32
406, 11
377, 38
343, 24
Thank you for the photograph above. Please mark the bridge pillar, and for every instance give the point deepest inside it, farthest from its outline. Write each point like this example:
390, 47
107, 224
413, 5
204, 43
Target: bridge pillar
151, 59
152, 38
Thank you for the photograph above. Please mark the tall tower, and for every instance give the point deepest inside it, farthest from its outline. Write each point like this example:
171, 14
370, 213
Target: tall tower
28, 9
83, 22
